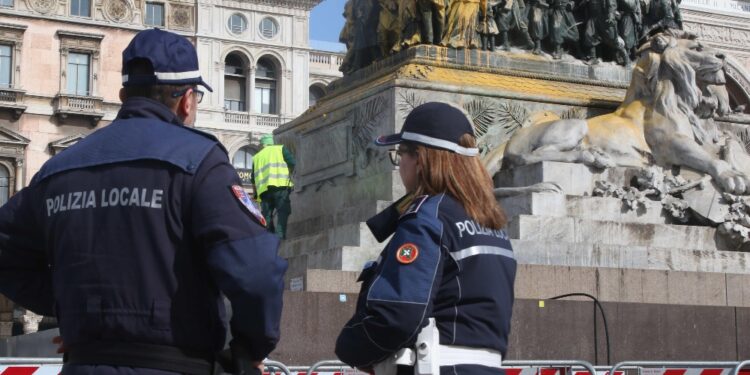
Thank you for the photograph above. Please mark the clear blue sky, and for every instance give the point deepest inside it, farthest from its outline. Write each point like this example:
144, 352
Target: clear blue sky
326, 21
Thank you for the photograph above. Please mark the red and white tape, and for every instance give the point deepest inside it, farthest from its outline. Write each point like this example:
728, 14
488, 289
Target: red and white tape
30, 369
55, 370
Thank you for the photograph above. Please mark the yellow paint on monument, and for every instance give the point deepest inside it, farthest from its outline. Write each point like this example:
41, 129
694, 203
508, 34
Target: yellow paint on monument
521, 85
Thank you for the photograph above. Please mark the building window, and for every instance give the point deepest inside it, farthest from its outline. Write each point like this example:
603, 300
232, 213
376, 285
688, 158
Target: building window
154, 14
243, 163
80, 8
4, 185
235, 83
78, 73
6, 64
237, 23
265, 87
6, 3
316, 92
269, 28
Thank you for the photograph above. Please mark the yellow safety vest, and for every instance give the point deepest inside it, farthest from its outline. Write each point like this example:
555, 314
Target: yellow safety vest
270, 169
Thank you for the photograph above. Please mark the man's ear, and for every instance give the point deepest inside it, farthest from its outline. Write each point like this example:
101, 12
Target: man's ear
123, 96
185, 105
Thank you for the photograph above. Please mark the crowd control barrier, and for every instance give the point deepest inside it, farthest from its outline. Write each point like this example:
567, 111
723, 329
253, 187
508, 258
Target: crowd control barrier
683, 368
53, 366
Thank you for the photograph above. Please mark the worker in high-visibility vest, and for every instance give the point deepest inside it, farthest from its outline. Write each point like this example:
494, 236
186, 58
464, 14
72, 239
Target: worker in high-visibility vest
272, 169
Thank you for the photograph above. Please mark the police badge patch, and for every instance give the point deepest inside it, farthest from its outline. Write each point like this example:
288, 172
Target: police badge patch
407, 253
249, 204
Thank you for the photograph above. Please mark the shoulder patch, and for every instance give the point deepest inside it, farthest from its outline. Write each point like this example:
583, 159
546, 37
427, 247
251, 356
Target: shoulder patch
407, 253
415, 205
248, 203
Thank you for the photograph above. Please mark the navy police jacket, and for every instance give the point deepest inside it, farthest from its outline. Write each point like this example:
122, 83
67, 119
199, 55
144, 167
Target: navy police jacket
131, 234
442, 264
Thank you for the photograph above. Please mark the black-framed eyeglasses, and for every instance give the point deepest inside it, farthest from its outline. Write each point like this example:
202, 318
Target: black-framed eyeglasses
395, 155
198, 93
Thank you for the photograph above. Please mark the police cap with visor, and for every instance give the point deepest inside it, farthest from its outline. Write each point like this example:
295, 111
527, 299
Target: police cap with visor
172, 57
436, 125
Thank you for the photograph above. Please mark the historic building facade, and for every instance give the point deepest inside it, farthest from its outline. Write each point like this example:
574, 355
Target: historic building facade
256, 56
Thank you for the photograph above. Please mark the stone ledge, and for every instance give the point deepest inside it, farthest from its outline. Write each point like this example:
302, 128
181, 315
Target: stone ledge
606, 284
576, 230
554, 253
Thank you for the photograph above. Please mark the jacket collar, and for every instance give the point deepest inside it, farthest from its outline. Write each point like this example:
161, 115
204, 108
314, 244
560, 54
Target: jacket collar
140, 107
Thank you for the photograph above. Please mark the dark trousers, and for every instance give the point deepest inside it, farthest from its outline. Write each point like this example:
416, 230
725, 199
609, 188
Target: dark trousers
276, 199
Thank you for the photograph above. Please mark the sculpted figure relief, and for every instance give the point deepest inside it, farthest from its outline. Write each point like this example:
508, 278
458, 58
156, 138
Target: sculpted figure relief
389, 28
486, 26
510, 16
538, 23
409, 23
563, 27
347, 36
610, 29
461, 25
663, 14
630, 24
363, 47
601, 28
677, 86
433, 19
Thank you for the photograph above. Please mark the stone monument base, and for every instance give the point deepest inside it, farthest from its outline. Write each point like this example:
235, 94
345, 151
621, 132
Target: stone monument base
645, 268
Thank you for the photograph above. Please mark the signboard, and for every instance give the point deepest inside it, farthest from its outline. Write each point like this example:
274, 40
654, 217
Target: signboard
246, 175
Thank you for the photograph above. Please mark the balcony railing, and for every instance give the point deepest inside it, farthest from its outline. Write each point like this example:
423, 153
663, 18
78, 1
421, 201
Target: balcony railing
326, 61
254, 119
12, 100
320, 58
89, 107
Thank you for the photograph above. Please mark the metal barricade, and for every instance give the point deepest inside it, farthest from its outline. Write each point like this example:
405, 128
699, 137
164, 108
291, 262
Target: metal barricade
275, 364
24, 366
330, 363
333, 364
5, 361
58, 362
550, 363
740, 366
673, 367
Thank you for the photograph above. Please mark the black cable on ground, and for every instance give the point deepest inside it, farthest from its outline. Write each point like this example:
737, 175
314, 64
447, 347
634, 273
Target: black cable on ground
604, 319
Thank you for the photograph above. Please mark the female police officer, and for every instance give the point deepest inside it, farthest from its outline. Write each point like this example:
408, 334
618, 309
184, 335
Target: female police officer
439, 298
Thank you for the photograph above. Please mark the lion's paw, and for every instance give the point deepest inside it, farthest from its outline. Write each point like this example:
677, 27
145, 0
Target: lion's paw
601, 159
734, 182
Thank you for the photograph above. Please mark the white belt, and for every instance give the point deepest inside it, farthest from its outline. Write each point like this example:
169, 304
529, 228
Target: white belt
455, 355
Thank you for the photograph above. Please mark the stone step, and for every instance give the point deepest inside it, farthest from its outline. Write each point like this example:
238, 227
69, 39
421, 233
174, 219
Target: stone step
630, 257
614, 209
333, 218
606, 284
574, 179
584, 207
577, 230
345, 258
352, 234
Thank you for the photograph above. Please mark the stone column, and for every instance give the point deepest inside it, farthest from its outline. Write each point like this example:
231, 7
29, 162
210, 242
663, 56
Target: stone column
19, 175
251, 93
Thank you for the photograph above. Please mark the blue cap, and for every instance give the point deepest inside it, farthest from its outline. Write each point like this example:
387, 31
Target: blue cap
437, 125
172, 56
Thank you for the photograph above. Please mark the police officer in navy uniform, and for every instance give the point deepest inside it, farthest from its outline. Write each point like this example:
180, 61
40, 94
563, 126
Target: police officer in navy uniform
131, 235
438, 300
